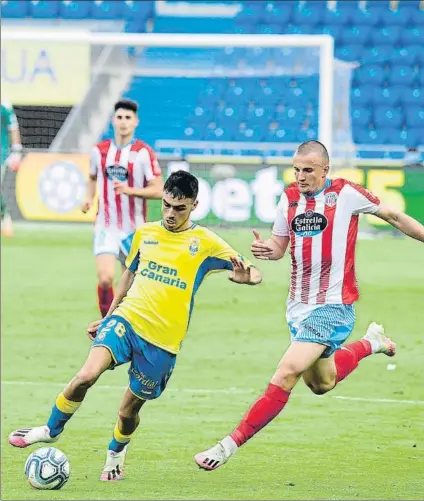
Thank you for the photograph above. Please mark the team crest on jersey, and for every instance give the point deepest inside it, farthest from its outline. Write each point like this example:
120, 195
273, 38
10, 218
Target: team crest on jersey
331, 199
194, 246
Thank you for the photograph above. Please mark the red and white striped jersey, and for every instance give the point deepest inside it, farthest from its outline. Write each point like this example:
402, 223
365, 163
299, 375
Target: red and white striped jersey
135, 164
323, 229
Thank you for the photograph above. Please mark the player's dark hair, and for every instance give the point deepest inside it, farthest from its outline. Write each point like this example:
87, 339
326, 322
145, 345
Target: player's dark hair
126, 104
314, 146
181, 184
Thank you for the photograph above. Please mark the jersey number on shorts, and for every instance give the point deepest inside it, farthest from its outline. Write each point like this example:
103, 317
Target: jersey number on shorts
119, 327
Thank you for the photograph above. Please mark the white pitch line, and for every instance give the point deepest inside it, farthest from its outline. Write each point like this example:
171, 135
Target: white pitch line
225, 391
380, 400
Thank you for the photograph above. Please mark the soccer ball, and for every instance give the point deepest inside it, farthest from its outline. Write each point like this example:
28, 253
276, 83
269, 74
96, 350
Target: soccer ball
47, 468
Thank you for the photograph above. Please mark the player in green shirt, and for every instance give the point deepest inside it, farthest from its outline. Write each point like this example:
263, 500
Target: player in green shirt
11, 154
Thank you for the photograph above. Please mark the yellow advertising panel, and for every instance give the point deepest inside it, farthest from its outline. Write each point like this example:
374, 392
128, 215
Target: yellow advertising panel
51, 187
44, 73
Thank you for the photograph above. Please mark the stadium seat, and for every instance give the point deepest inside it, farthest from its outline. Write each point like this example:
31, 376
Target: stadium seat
386, 35
349, 52
408, 55
44, 9
284, 135
269, 29
109, 9
356, 34
133, 9
277, 15
412, 36
253, 134
377, 54
388, 116
363, 95
14, 9
361, 17
342, 16
76, 9
218, 134
400, 17
370, 74
361, 116
370, 136
311, 13
402, 75
406, 137
389, 96
415, 117
413, 96
334, 31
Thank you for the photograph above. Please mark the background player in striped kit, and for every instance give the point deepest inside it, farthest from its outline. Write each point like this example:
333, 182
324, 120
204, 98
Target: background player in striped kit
125, 173
318, 217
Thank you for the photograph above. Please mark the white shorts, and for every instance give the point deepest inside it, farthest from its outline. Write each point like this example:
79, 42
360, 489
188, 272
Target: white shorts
110, 241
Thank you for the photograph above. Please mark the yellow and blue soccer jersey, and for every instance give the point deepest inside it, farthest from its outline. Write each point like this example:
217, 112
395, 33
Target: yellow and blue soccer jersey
169, 268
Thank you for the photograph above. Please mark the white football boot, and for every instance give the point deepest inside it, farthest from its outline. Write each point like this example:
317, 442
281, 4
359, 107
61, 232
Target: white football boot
114, 468
218, 455
379, 342
28, 436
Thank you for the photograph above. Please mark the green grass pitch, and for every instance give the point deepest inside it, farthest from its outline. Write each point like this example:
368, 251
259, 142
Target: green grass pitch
370, 446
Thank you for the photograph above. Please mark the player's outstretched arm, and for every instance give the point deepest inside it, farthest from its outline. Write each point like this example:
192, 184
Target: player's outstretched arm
272, 249
243, 274
404, 223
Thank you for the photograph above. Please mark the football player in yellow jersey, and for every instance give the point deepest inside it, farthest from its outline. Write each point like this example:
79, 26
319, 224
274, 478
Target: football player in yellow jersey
148, 318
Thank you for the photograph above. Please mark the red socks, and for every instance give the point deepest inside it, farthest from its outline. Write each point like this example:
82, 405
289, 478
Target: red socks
347, 358
264, 410
105, 298
272, 402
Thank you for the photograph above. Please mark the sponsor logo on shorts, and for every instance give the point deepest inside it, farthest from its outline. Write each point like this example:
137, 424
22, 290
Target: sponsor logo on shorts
309, 224
144, 380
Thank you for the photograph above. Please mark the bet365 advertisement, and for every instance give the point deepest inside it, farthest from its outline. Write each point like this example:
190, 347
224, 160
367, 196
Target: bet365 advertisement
51, 187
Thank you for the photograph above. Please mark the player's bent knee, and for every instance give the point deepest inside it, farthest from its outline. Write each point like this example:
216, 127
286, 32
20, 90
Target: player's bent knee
105, 282
320, 388
87, 377
287, 375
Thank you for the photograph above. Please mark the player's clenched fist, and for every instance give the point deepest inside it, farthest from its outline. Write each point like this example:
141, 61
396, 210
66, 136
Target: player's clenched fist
259, 248
92, 329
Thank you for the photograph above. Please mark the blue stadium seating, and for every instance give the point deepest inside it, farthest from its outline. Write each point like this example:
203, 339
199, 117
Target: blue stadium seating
387, 95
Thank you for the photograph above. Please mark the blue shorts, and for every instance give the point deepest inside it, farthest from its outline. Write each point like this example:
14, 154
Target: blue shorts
330, 325
151, 367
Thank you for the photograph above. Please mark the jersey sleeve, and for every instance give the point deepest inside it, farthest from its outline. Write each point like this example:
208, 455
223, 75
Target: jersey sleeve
221, 253
149, 163
362, 200
281, 225
133, 258
94, 161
